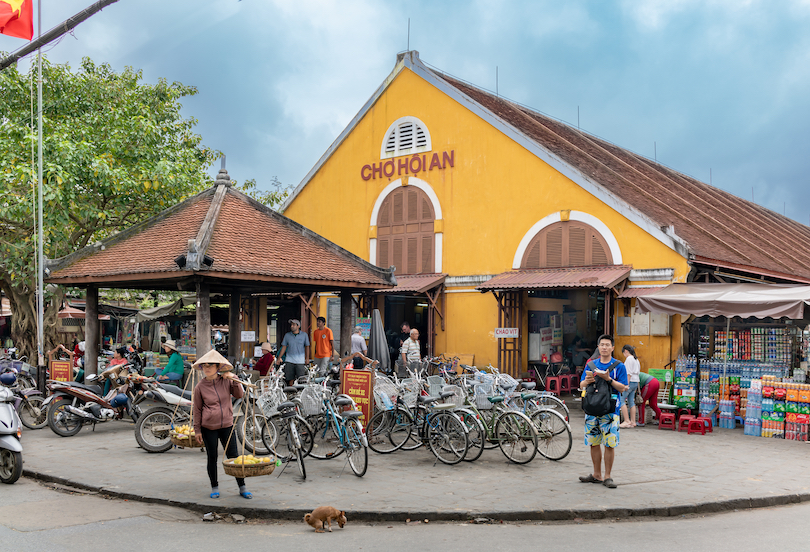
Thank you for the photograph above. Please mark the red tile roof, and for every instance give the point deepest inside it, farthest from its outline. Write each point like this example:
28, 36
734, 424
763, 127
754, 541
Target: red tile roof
418, 283
570, 277
716, 224
250, 243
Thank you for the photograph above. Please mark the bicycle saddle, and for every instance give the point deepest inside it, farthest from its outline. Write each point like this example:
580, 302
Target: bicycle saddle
351, 414
424, 399
527, 396
286, 405
333, 383
445, 394
318, 380
494, 400
343, 401
300, 386
529, 385
289, 389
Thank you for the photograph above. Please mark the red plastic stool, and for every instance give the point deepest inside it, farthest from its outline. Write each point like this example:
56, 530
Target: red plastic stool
682, 412
667, 421
696, 425
683, 422
707, 423
553, 384
573, 383
565, 384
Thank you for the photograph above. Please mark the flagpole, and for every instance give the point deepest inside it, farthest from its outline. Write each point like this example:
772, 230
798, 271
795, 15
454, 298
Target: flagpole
40, 255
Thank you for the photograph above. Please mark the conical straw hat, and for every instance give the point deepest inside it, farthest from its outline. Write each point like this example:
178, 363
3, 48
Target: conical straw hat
213, 357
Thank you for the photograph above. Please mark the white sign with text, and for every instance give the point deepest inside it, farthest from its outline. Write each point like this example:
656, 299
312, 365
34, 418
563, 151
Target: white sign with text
506, 333
248, 337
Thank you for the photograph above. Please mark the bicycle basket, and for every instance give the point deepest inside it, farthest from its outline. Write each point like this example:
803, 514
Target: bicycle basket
269, 398
385, 394
411, 390
506, 382
458, 395
435, 380
482, 393
311, 401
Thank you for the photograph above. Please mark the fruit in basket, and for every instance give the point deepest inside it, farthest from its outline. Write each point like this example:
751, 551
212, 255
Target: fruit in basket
246, 459
185, 430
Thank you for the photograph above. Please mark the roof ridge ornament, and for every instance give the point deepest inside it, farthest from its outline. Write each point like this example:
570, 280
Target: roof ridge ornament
223, 179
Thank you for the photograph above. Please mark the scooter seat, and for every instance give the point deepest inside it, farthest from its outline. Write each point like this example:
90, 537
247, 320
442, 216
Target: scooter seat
92, 388
175, 390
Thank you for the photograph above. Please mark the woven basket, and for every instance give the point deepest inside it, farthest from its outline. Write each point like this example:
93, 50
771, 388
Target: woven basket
183, 441
248, 470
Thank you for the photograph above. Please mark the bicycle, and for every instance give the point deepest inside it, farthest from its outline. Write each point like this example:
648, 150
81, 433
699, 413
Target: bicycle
337, 432
294, 432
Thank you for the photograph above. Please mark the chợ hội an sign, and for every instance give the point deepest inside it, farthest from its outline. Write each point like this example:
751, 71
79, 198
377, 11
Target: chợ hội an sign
408, 166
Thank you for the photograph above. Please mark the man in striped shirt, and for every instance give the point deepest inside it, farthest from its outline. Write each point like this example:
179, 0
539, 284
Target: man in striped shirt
410, 350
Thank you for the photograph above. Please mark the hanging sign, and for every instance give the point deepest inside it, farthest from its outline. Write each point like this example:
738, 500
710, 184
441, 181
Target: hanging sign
359, 385
61, 370
248, 337
507, 333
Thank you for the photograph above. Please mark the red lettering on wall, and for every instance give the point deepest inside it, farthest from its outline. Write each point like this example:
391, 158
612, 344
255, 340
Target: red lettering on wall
418, 167
402, 164
375, 170
388, 164
363, 174
448, 158
435, 162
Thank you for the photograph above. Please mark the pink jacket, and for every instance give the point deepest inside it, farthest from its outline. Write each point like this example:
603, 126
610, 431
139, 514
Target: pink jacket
212, 403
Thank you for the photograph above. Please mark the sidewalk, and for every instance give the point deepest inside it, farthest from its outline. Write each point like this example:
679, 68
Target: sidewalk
659, 473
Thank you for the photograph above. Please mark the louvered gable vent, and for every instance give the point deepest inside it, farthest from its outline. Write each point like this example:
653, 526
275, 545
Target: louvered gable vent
406, 136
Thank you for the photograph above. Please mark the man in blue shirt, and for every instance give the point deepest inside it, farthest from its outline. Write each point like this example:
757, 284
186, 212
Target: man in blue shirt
296, 345
604, 430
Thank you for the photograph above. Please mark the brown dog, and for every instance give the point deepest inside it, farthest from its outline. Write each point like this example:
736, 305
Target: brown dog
322, 517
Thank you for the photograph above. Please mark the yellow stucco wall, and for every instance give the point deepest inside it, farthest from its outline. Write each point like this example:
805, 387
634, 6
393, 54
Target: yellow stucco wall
494, 194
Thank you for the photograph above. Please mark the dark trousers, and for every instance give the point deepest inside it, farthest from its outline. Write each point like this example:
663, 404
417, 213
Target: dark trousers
210, 438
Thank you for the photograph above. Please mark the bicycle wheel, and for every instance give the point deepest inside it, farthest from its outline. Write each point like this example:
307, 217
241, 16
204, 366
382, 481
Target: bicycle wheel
356, 449
414, 440
476, 433
32, 414
326, 443
283, 450
517, 437
447, 437
554, 434
269, 435
249, 432
546, 402
295, 443
388, 430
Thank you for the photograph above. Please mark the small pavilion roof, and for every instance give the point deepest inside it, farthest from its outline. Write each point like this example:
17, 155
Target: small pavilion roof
225, 238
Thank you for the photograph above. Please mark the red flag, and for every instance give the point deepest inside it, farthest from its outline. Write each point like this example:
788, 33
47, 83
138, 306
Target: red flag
17, 18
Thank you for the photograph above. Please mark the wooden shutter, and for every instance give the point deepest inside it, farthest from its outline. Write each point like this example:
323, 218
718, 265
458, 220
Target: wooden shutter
382, 253
427, 254
397, 258
398, 207
405, 232
570, 243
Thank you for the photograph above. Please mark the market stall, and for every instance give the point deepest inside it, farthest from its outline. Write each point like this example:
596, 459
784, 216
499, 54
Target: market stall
749, 364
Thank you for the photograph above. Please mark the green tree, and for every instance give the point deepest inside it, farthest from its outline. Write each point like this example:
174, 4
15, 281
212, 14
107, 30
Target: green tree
272, 198
116, 151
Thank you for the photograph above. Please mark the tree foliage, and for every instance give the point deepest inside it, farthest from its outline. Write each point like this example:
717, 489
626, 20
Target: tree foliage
272, 198
116, 150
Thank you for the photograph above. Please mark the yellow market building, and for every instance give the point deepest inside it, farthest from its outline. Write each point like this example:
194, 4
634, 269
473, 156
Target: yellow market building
498, 217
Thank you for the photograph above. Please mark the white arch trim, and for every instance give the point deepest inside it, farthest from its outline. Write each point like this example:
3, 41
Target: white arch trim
437, 213
578, 216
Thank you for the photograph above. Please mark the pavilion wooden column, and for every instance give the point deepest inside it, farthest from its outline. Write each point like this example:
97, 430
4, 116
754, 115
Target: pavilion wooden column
346, 323
234, 328
91, 328
203, 320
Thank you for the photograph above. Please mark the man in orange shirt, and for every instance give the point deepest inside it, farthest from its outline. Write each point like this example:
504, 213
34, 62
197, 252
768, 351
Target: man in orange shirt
324, 342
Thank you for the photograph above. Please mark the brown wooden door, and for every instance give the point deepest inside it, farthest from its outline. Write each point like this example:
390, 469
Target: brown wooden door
405, 232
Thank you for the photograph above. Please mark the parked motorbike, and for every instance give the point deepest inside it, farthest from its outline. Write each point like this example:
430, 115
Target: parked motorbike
72, 405
154, 425
27, 401
11, 461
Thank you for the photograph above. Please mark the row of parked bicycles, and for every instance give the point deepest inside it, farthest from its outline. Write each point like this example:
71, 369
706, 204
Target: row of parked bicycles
458, 416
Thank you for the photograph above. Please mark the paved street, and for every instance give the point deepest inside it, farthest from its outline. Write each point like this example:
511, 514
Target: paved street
658, 472
35, 518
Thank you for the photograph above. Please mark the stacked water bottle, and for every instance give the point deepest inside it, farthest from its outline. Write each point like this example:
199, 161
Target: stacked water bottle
707, 405
753, 409
726, 419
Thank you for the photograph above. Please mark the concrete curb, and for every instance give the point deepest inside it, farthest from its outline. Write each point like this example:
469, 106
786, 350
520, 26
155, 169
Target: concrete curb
401, 516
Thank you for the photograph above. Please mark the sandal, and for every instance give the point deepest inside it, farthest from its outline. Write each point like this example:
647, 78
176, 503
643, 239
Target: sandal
589, 479
609, 483
214, 495
246, 494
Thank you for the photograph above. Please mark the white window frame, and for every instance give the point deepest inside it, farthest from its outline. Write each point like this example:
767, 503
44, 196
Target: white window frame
410, 151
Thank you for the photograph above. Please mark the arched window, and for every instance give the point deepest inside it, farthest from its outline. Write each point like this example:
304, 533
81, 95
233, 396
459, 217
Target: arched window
406, 136
405, 232
569, 243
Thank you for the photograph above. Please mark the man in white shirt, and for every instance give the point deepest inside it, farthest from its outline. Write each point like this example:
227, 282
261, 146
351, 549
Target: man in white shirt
358, 343
410, 351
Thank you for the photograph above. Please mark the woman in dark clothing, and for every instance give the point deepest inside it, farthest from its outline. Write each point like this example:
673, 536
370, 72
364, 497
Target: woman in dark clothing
213, 414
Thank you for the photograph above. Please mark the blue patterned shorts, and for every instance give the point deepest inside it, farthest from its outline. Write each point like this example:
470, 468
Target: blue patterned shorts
602, 430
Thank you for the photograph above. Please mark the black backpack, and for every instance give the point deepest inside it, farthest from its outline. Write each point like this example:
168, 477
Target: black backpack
599, 397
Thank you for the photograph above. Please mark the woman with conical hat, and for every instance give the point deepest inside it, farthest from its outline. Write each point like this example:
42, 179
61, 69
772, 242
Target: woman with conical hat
213, 413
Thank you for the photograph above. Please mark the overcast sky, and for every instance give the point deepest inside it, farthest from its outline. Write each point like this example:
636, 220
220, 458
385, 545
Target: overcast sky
720, 85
